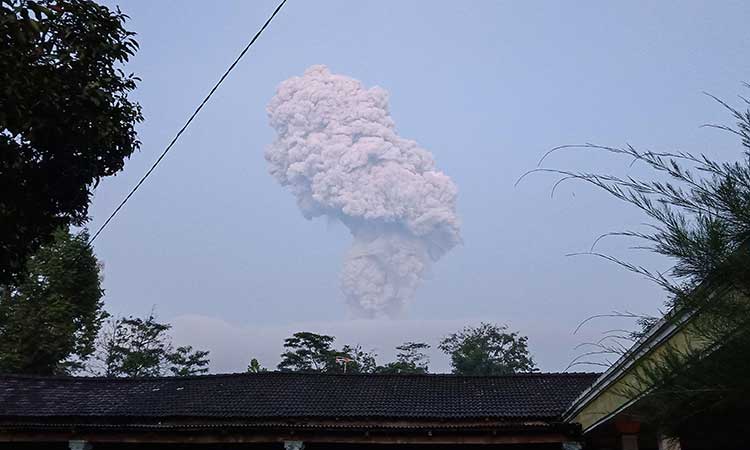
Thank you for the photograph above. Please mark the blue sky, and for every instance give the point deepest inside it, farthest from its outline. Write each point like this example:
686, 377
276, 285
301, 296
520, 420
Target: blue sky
222, 251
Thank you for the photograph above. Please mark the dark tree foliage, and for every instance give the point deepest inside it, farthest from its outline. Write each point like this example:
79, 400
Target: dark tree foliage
185, 361
49, 321
65, 117
307, 352
700, 219
353, 359
138, 347
487, 350
255, 367
410, 359
133, 347
311, 352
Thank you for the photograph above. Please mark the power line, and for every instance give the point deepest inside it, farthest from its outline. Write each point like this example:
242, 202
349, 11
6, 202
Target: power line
184, 127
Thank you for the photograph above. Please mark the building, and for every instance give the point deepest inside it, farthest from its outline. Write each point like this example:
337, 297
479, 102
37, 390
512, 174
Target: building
277, 410
291, 411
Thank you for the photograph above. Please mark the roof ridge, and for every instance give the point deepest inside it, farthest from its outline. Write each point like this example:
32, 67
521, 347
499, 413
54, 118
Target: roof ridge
307, 374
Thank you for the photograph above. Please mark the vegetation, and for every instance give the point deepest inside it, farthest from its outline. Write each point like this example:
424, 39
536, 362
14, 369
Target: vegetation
49, 320
410, 358
307, 352
310, 352
353, 359
484, 350
487, 350
185, 361
65, 122
138, 347
255, 367
700, 219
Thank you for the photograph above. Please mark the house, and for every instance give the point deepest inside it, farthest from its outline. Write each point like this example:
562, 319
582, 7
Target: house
277, 410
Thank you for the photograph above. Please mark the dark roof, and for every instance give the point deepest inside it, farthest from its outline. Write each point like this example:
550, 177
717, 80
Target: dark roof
294, 395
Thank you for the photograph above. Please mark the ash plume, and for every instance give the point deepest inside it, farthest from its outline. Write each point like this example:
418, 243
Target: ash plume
338, 152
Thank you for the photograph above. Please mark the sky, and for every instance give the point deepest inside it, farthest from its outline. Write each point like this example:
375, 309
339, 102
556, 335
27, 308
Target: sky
222, 252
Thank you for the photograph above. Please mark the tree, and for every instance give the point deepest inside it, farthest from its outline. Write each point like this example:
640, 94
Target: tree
137, 347
487, 350
699, 212
308, 352
255, 367
311, 352
410, 358
65, 117
353, 359
185, 361
50, 319
134, 347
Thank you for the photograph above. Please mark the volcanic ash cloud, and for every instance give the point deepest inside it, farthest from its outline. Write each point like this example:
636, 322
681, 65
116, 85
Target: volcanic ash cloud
338, 152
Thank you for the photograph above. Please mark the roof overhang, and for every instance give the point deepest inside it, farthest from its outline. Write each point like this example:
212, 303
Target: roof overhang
529, 431
605, 398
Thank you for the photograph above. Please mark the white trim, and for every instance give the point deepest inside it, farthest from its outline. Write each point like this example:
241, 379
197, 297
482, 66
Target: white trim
664, 329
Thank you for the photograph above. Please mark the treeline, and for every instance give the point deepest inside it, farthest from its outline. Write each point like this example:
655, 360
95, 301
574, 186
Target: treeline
53, 322
487, 349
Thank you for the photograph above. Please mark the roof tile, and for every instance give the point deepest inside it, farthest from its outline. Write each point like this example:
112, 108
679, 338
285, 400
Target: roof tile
295, 395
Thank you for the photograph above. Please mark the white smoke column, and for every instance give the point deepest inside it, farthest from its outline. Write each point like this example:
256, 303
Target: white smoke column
338, 152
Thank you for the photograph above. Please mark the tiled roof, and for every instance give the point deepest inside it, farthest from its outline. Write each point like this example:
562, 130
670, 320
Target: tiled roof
295, 395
